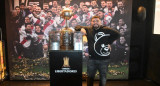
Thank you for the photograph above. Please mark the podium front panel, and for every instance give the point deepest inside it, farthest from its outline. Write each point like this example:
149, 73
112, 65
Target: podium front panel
65, 68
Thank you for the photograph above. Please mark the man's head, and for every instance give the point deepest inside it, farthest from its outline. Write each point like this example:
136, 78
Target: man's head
87, 3
95, 10
67, 2
122, 40
85, 8
38, 10
27, 20
120, 4
34, 6
73, 23
22, 6
94, 3
101, 14
55, 3
75, 8
121, 22
17, 8
45, 7
81, 4
59, 8
103, 3
28, 27
30, 8
109, 4
54, 10
95, 22
37, 28
14, 13
49, 15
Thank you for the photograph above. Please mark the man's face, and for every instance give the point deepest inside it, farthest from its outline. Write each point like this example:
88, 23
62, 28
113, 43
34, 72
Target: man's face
100, 14
93, 3
113, 25
95, 10
27, 20
38, 29
54, 10
22, 7
96, 22
120, 4
122, 31
122, 40
45, 7
18, 10
103, 4
109, 4
30, 8
85, 9
81, 4
49, 15
55, 3
87, 3
34, 7
38, 10
74, 23
28, 28
121, 22
59, 8
67, 2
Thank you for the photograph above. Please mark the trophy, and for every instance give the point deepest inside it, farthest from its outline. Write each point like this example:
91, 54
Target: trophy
78, 40
66, 33
54, 41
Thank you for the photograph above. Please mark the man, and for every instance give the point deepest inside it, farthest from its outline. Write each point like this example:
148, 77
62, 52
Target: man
45, 7
55, 3
86, 16
38, 16
106, 19
99, 40
67, 4
103, 5
109, 8
26, 41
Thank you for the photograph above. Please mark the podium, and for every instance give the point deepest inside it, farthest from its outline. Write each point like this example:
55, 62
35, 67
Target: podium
65, 67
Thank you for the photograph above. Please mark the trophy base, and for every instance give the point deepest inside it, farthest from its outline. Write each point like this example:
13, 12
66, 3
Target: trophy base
66, 47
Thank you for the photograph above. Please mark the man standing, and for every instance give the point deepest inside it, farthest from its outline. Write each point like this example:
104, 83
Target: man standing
99, 40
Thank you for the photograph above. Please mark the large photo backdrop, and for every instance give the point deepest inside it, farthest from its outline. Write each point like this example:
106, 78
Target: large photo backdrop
30, 21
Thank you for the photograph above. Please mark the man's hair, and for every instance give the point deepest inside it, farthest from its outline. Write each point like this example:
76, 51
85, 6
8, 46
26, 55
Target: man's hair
101, 11
95, 17
86, 6
21, 4
45, 4
50, 12
27, 24
17, 7
109, 0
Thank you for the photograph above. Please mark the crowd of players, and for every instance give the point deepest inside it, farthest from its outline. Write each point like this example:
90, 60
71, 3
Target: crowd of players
31, 24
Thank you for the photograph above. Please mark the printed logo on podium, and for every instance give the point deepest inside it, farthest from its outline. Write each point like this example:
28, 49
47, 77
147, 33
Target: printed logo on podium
66, 62
66, 67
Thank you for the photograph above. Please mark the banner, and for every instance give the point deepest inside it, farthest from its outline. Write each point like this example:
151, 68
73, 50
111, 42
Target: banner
29, 24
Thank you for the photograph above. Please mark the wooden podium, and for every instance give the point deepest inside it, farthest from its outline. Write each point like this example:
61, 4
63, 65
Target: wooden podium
65, 67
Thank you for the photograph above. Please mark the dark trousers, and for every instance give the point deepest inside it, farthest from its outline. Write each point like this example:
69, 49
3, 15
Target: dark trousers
92, 67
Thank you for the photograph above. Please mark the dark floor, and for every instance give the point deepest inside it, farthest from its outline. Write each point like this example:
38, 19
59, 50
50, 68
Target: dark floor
109, 83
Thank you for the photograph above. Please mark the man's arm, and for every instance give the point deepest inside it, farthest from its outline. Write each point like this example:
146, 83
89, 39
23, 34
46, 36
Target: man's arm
83, 29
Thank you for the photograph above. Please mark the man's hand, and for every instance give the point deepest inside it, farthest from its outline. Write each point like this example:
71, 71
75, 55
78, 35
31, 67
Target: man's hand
109, 46
78, 28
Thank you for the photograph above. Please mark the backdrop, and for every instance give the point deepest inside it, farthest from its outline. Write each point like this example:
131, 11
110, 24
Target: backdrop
29, 22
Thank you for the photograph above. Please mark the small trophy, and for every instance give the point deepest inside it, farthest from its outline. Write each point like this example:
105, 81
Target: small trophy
54, 41
66, 33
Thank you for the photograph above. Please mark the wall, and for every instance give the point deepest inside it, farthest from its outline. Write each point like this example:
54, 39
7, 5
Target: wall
153, 67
